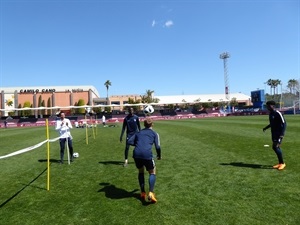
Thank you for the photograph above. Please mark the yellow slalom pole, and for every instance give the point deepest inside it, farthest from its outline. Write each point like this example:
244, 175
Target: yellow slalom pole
86, 132
96, 125
48, 156
94, 130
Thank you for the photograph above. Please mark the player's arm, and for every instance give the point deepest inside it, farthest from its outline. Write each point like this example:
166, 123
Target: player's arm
283, 128
266, 127
157, 146
58, 125
69, 124
158, 153
138, 123
123, 129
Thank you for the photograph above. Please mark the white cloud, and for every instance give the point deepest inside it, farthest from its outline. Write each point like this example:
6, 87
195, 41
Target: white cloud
153, 23
163, 24
169, 23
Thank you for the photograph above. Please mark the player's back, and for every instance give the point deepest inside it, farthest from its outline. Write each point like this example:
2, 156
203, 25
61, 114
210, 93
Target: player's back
143, 143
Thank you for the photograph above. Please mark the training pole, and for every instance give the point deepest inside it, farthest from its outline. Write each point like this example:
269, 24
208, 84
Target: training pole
67, 143
48, 156
94, 131
86, 132
96, 124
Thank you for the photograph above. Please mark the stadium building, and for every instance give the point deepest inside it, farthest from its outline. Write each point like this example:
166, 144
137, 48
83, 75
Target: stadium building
34, 97
65, 97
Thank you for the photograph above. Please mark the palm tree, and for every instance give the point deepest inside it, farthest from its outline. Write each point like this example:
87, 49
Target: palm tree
276, 84
143, 98
107, 85
292, 85
273, 85
148, 97
270, 83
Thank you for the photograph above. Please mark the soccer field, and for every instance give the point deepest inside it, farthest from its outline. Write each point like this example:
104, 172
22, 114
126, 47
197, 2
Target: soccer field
213, 171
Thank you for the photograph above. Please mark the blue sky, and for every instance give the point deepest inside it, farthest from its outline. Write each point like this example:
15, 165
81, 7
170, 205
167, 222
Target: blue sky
170, 47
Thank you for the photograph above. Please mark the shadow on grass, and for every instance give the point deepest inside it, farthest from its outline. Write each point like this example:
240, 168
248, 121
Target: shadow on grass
113, 192
51, 160
25, 186
248, 165
112, 163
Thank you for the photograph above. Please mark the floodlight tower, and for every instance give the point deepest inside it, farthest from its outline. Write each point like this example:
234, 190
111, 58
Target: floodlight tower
225, 56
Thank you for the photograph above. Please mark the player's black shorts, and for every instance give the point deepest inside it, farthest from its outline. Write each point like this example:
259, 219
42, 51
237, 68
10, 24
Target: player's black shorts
276, 139
149, 164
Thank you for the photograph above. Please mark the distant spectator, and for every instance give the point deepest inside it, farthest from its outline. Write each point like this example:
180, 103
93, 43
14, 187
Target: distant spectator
63, 126
103, 120
5, 123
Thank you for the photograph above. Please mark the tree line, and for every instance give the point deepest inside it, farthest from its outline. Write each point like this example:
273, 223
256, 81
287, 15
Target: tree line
292, 91
292, 86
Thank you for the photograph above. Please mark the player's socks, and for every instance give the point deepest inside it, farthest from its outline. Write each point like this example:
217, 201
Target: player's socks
152, 179
278, 152
141, 179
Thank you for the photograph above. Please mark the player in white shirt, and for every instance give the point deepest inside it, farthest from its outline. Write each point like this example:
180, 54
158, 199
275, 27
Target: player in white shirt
63, 126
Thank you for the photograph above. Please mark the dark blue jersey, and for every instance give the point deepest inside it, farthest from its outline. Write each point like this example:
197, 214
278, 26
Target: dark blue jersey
143, 142
277, 123
131, 124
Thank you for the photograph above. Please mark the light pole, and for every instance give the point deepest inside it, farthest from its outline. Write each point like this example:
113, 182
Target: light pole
299, 94
225, 56
221, 103
281, 96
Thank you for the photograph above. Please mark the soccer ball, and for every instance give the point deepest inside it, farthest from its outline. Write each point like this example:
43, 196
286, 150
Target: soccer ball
75, 154
148, 109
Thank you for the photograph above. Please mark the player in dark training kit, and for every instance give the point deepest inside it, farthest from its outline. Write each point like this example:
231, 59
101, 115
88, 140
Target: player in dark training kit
143, 157
131, 124
278, 127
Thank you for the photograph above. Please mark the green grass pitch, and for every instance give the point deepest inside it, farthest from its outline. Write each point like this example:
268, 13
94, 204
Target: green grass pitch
213, 171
